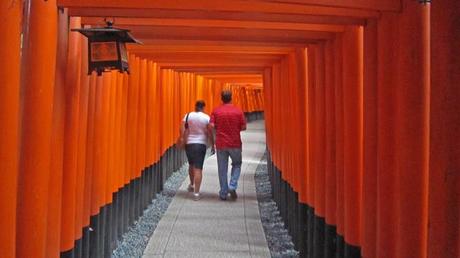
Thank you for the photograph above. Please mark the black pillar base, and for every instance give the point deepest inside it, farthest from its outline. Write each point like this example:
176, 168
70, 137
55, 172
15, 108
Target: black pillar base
330, 241
100, 238
312, 236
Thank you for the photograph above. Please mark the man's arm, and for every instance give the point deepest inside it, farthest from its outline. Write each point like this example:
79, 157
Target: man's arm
211, 133
211, 128
211, 137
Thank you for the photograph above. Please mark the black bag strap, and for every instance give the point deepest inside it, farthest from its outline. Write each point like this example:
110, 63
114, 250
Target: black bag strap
186, 121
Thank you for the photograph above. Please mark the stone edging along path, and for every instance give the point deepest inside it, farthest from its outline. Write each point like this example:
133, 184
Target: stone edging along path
278, 239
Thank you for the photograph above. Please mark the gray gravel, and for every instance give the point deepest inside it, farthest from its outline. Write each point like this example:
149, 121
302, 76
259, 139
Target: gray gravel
278, 239
136, 239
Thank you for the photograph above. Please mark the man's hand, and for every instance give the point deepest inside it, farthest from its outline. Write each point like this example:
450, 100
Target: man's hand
213, 149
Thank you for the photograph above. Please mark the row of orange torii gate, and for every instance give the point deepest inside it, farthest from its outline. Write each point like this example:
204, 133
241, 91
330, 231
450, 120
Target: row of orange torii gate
100, 133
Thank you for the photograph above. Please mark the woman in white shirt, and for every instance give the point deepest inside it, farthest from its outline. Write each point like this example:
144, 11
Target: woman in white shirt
195, 147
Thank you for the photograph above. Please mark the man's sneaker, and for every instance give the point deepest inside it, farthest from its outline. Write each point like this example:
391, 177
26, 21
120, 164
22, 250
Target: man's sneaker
196, 196
190, 188
233, 194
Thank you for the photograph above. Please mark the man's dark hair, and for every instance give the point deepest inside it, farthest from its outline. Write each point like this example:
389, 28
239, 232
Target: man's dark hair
199, 105
226, 96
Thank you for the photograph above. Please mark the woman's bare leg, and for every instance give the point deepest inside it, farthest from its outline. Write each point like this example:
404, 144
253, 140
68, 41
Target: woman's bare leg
197, 177
191, 174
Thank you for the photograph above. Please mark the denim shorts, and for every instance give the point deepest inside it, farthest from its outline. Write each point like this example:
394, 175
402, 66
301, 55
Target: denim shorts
195, 154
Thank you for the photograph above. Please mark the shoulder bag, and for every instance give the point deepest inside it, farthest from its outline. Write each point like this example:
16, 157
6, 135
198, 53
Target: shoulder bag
182, 140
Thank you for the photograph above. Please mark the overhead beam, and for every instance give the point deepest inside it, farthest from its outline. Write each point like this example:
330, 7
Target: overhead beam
386, 5
219, 70
211, 56
246, 85
235, 75
216, 65
221, 43
217, 23
254, 86
224, 5
222, 61
236, 80
222, 15
227, 34
193, 48
222, 73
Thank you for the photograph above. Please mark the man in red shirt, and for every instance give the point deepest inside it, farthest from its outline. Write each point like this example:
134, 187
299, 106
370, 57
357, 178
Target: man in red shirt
228, 121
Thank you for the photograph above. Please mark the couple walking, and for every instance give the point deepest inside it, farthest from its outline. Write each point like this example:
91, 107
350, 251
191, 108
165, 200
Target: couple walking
227, 121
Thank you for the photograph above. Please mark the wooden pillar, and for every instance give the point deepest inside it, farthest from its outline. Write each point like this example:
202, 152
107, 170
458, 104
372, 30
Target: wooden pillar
54, 233
302, 122
412, 117
369, 210
330, 231
312, 149
88, 197
111, 161
172, 129
444, 178
163, 108
167, 111
99, 182
124, 147
11, 14
133, 108
37, 93
319, 140
386, 141
267, 81
306, 198
130, 119
177, 115
276, 114
150, 122
142, 114
330, 131
82, 216
106, 96
353, 130
9, 119
72, 98
339, 135
283, 136
119, 139
293, 118
156, 116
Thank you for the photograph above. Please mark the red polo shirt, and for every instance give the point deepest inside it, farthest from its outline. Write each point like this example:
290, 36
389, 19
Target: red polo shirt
228, 121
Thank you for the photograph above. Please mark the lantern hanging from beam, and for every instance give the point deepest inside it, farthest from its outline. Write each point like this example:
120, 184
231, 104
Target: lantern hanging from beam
107, 49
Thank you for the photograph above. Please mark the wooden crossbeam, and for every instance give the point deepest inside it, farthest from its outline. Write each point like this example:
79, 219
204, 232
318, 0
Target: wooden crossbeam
216, 15
217, 23
227, 34
234, 5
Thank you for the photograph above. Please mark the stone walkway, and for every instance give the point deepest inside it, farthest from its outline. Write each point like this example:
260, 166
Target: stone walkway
211, 227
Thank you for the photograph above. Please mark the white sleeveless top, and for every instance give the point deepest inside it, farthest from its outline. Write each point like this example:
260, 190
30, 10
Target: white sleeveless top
197, 127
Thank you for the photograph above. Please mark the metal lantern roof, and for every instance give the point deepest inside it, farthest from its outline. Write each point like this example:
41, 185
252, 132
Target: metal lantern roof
122, 35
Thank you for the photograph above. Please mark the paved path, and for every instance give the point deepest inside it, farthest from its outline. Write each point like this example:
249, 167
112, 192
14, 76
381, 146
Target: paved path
211, 227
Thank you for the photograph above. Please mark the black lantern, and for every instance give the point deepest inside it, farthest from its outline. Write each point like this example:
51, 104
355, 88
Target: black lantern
106, 48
